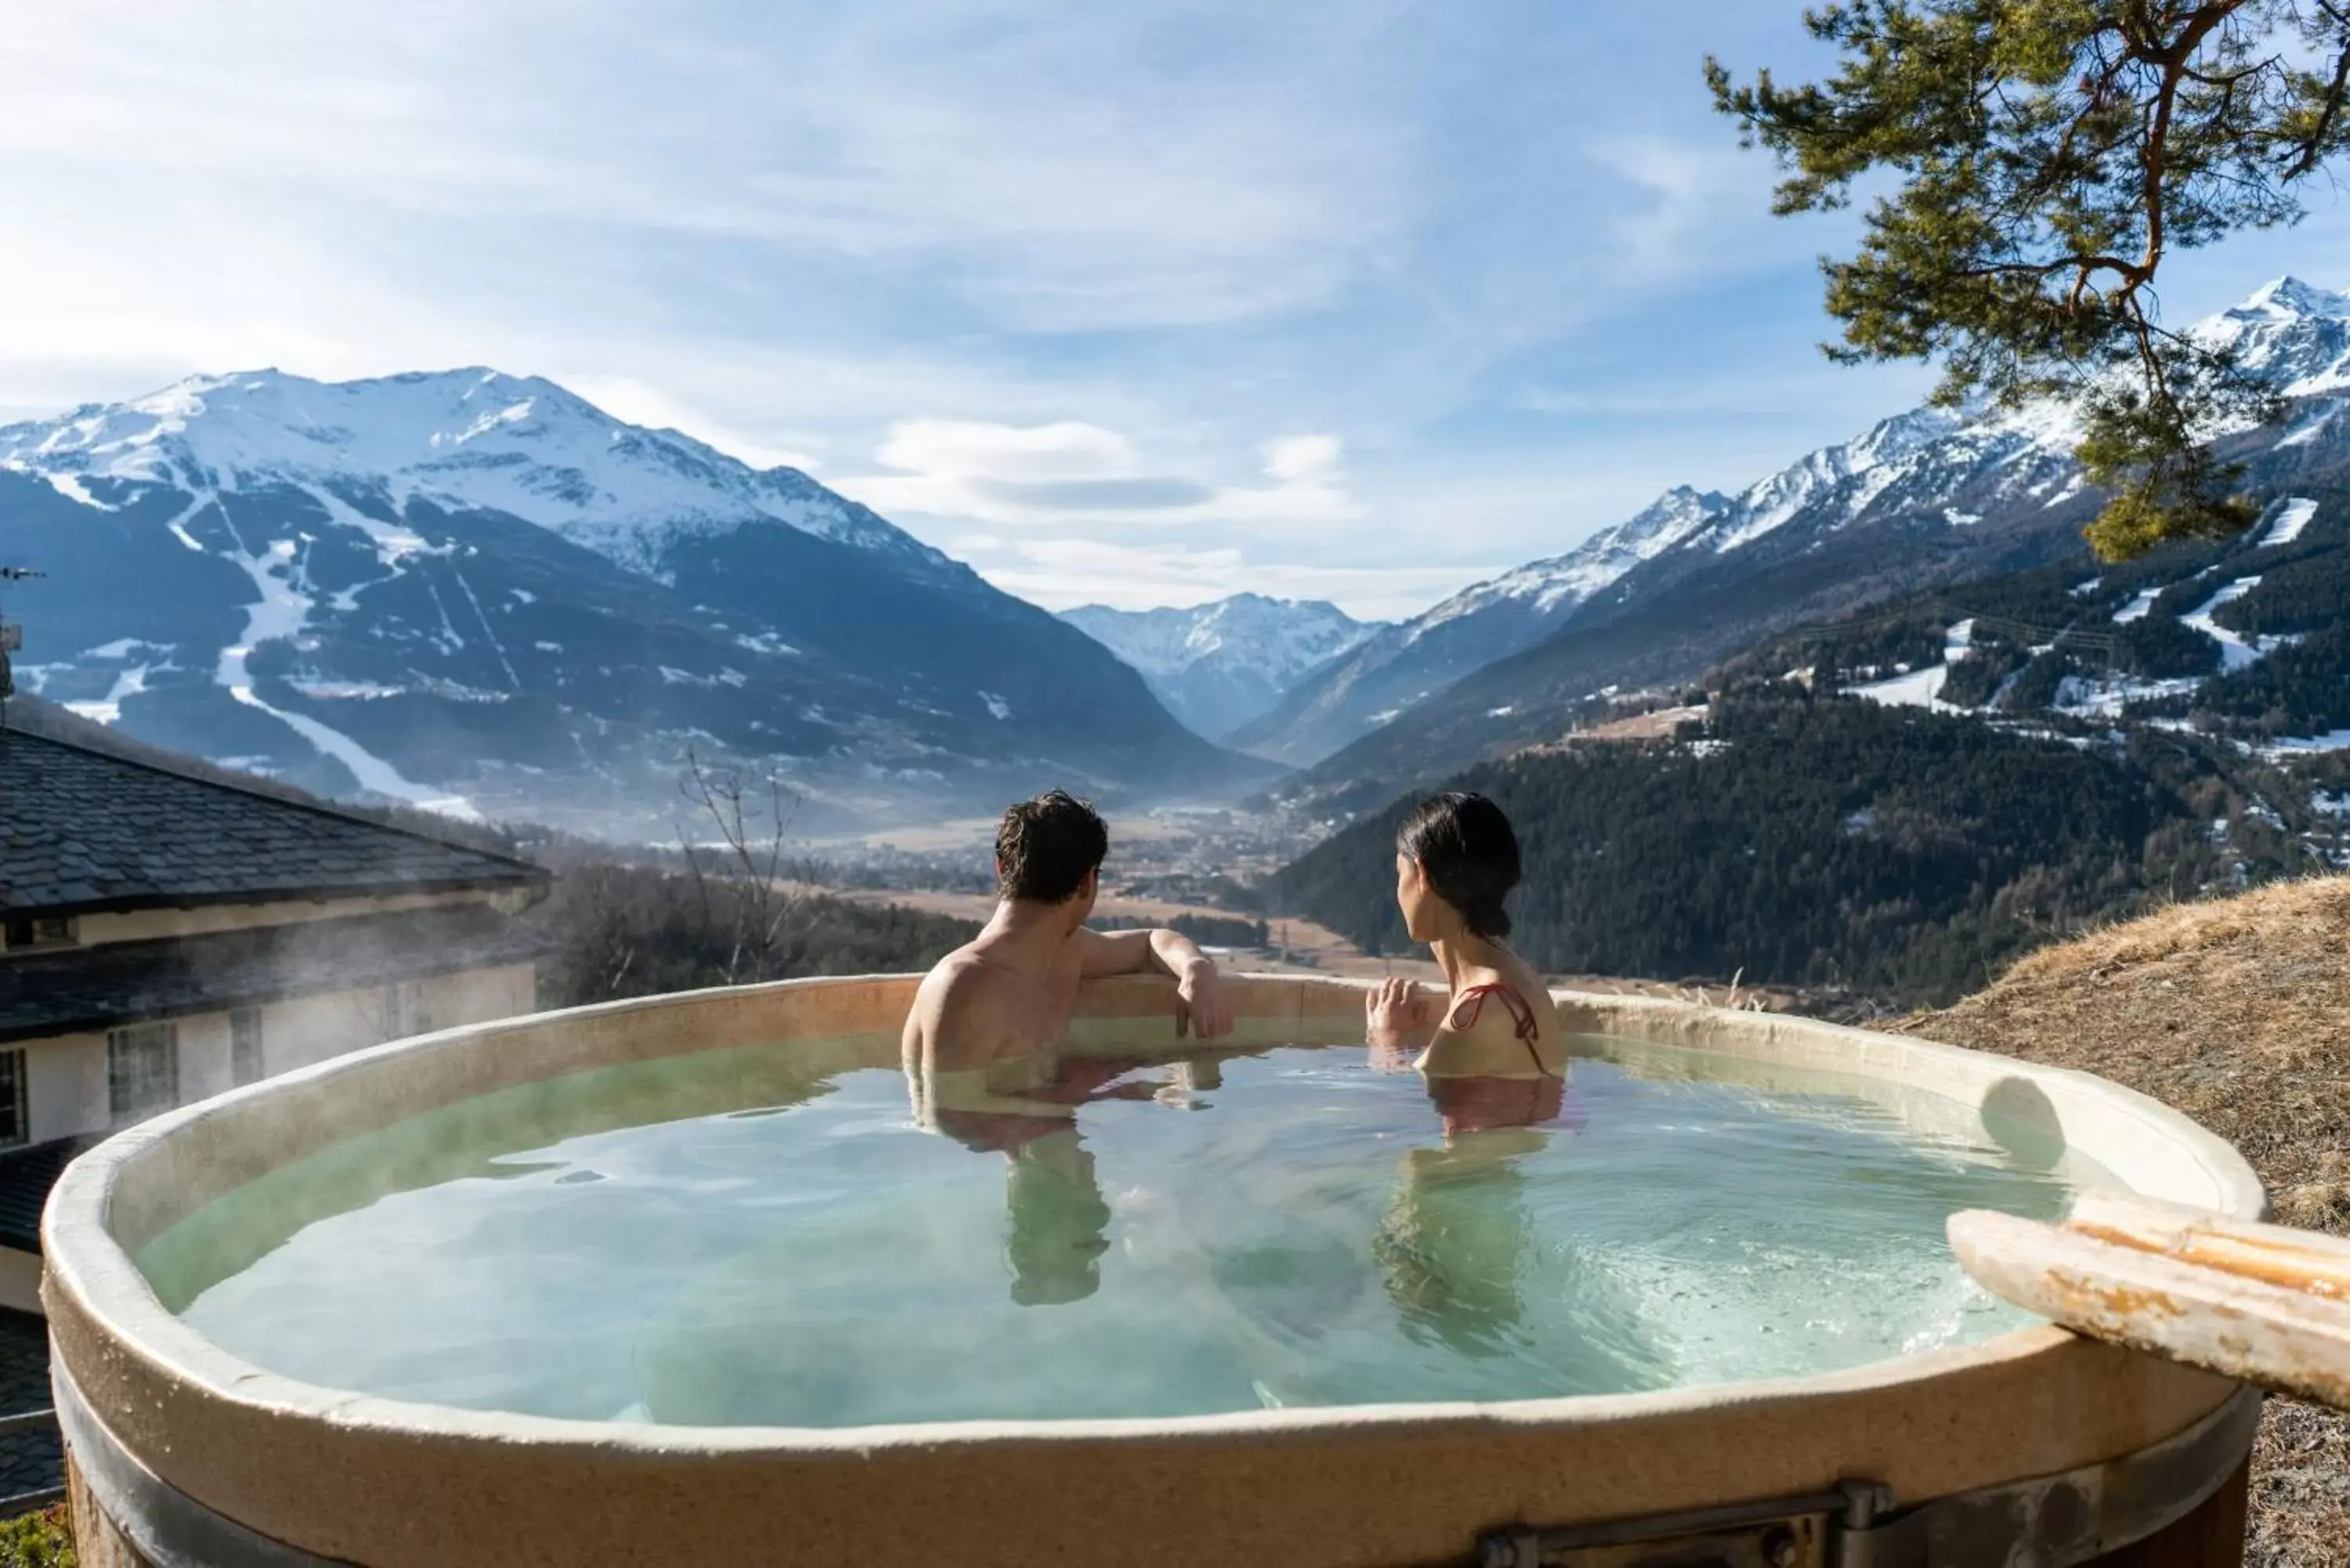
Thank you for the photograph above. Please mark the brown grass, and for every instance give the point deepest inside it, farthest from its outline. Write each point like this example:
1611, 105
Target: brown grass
2238, 1013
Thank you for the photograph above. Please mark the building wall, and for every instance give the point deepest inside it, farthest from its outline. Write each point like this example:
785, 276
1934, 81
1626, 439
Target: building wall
66, 1089
146, 925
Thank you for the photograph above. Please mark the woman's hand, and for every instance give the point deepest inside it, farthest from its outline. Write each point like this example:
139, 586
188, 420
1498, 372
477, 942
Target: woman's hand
1395, 1021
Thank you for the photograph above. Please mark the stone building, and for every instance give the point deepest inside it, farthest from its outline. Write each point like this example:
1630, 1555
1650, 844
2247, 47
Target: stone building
164, 937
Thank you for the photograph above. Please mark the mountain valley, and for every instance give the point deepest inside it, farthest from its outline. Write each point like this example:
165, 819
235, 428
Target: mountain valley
480, 593
1217, 665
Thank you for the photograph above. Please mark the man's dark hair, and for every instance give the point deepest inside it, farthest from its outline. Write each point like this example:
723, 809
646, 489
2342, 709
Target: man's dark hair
1046, 846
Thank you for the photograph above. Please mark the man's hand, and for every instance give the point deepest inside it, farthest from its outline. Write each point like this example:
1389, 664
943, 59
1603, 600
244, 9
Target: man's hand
1395, 1021
1199, 1005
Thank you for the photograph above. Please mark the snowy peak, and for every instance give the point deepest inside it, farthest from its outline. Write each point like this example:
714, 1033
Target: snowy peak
2289, 297
1218, 665
1285, 638
2291, 333
472, 437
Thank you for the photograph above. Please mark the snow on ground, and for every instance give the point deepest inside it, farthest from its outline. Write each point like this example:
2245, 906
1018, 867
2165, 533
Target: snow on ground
1918, 688
346, 690
373, 773
282, 612
128, 683
2104, 697
179, 525
2138, 608
2235, 653
70, 486
761, 642
2309, 430
2294, 746
1923, 687
2287, 519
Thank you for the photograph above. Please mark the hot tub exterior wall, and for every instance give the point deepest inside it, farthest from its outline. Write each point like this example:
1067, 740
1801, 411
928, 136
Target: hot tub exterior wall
2211, 1536
395, 1485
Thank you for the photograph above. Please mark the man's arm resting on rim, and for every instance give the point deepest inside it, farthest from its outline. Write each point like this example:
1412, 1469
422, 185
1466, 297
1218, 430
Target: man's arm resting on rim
1165, 952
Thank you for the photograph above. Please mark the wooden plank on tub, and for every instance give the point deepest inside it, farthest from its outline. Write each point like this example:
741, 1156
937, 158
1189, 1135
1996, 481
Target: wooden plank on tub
2255, 1302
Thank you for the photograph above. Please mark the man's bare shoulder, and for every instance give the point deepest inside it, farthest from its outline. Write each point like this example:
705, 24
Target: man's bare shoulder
965, 978
965, 996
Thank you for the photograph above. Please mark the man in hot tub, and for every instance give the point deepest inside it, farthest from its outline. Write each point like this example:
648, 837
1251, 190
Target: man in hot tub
984, 1023
979, 1043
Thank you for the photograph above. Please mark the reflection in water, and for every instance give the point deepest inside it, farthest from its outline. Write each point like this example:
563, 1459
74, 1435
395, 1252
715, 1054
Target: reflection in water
1103, 1239
1056, 1221
1452, 1247
1453, 1243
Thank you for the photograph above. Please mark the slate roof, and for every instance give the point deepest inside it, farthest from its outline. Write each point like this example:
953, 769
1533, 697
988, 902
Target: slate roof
25, 1177
82, 831
72, 991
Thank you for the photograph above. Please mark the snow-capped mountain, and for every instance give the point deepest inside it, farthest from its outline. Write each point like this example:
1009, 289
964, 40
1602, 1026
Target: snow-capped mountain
1218, 665
1402, 664
474, 438
479, 590
1926, 496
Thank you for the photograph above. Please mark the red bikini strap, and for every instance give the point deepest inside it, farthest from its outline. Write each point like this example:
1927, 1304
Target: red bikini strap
1522, 1014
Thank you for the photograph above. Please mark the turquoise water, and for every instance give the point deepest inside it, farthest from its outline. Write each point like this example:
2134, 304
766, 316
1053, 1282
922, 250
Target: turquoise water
721, 1240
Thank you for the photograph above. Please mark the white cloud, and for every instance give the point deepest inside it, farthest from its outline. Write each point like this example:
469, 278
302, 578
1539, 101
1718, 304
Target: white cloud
1303, 459
969, 449
1046, 158
1071, 474
1060, 573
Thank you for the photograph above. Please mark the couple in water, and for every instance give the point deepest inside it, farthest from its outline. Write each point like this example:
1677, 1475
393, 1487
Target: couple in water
982, 1037
986, 1053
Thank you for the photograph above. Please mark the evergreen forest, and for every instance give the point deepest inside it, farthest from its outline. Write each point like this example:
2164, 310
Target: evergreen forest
1880, 854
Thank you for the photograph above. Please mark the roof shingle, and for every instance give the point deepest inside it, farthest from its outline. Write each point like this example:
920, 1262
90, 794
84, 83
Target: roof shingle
82, 831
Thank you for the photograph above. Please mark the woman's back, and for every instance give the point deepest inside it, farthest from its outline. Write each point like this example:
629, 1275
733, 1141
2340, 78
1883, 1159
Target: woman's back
1501, 1022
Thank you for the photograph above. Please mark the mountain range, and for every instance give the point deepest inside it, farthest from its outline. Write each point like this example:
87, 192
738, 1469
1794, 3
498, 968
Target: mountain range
1928, 497
1218, 665
479, 592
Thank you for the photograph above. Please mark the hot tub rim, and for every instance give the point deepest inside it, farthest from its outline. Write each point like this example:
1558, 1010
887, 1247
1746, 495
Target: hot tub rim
102, 1308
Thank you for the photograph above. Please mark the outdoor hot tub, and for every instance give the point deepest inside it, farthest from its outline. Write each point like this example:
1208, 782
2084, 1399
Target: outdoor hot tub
745, 1409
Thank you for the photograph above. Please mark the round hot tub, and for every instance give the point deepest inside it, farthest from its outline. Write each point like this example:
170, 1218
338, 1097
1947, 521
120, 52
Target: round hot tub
251, 1365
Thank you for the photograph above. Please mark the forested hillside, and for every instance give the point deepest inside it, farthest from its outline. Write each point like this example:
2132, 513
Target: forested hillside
2246, 639
1889, 852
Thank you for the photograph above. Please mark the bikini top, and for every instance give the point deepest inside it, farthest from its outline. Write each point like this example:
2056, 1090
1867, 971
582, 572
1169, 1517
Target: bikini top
1522, 1015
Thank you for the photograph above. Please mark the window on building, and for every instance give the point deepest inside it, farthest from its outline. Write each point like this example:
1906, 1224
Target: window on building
37, 931
143, 1071
244, 1044
16, 1118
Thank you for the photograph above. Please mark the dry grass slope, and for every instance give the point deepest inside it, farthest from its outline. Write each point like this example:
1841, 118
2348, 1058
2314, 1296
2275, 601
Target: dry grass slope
2238, 1013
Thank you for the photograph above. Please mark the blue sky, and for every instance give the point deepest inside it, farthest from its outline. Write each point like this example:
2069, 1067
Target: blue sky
1139, 302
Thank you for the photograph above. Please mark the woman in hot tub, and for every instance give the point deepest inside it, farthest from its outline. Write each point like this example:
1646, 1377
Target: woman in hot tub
1494, 1054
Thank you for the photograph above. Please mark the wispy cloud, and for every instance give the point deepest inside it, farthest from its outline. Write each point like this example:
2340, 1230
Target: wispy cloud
1348, 296
1056, 474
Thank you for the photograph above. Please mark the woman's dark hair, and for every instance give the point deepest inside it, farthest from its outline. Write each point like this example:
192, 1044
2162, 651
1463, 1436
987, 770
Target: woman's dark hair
1045, 847
1470, 854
